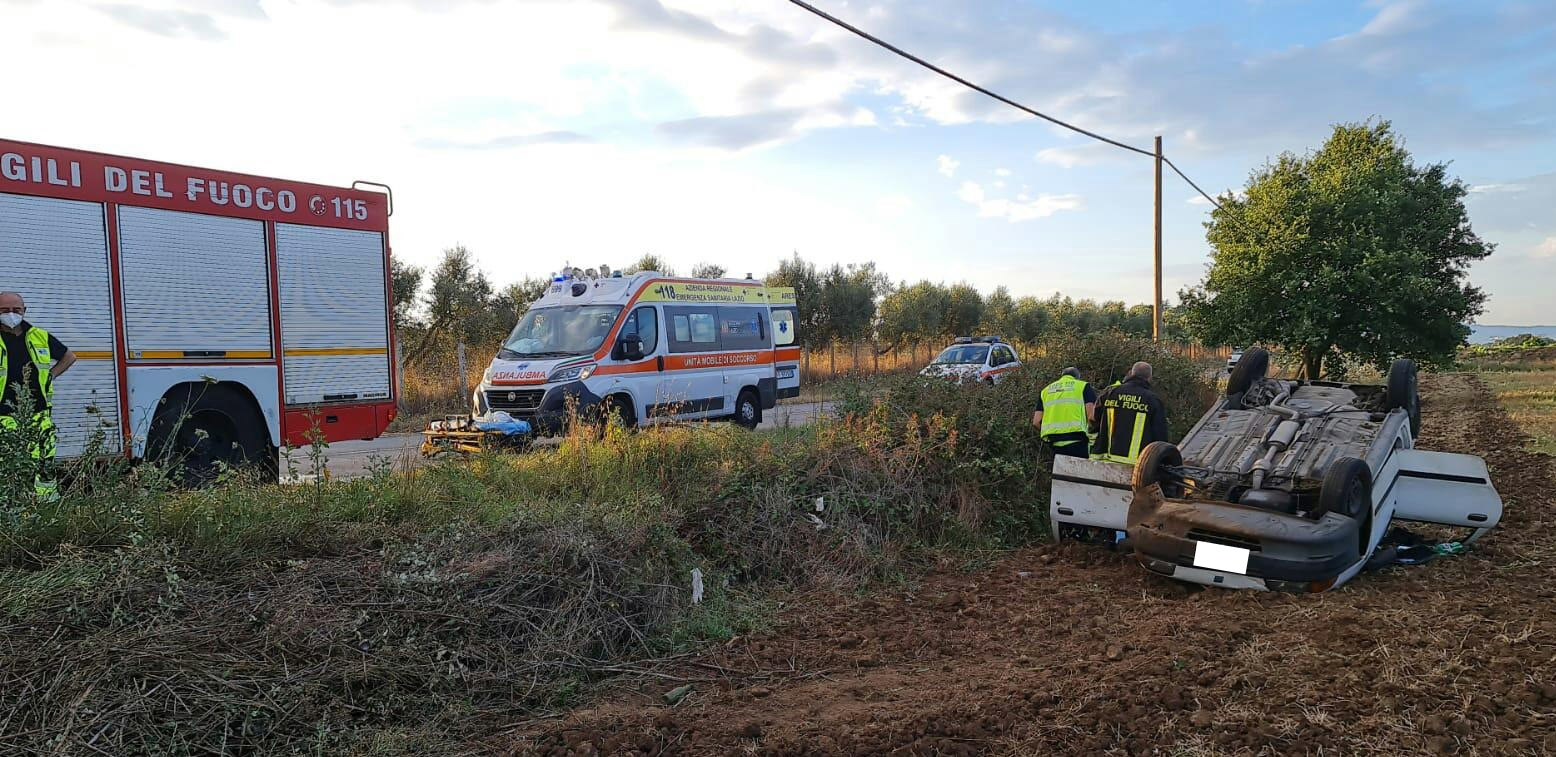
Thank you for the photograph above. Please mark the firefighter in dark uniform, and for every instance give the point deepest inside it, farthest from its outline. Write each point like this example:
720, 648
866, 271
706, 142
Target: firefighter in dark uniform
1129, 416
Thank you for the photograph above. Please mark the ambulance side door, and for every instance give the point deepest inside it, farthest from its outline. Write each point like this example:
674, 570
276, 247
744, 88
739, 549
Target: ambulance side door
692, 383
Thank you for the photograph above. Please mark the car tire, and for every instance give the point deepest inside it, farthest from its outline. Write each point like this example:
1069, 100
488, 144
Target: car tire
199, 429
1151, 468
1254, 365
1404, 392
748, 411
1347, 490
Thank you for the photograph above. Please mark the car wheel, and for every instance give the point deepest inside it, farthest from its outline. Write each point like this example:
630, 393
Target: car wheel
1347, 490
1254, 365
1151, 468
1404, 392
748, 413
200, 430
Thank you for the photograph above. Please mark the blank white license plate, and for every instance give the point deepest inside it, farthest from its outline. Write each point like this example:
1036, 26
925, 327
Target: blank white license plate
1220, 557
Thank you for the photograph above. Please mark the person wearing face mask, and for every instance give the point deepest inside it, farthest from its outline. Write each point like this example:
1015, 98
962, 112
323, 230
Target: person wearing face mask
31, 360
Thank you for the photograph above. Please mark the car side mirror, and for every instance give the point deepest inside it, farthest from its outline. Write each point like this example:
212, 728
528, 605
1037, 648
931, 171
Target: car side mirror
629, 348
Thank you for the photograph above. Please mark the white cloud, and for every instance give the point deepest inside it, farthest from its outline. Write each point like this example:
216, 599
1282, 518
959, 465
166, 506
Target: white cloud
1545, 249
1496, 188
1002, 172
947, 165
1197, 200
1021, 209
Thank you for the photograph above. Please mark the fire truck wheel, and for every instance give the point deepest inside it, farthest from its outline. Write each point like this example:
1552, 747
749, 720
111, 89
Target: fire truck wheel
199, 430
748, 412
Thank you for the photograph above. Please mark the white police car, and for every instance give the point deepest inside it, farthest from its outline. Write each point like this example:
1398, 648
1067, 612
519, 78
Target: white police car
988, 359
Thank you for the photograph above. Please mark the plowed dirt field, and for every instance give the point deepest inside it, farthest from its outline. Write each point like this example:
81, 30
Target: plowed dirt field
1077, 650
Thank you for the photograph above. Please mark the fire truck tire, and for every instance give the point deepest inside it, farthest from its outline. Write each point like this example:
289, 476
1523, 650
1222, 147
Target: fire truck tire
748, 409
201, 429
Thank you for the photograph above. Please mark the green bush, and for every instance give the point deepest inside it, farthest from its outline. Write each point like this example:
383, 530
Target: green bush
422, 609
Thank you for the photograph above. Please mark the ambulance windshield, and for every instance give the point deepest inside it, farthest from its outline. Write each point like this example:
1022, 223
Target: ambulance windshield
963, 354
560, 332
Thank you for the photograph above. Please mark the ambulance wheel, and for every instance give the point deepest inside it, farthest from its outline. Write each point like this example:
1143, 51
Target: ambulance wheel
201, 430
1347, 490
619, 409
1404, 392
748, 411
1151, 468
1252, 366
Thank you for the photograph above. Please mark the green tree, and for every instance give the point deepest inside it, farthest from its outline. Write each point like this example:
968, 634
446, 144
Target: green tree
848, 295
914, 312
405, 281
801, 274
1028, 320
965, 310
999, 313
456, 303
1351, 254
650, 262
708, 271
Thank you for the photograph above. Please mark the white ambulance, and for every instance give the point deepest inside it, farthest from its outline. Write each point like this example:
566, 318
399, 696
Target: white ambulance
258, 308
648, 348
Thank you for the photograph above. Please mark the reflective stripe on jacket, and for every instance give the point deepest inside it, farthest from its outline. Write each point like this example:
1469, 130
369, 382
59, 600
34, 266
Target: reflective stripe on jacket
38, 352
1064, 407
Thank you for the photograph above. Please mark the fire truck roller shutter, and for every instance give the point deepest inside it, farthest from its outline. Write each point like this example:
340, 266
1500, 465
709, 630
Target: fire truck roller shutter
334, 320
196, 286
55, 253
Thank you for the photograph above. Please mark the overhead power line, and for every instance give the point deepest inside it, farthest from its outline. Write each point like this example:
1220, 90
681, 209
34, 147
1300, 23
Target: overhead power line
991, 93
964, 82
1186, 178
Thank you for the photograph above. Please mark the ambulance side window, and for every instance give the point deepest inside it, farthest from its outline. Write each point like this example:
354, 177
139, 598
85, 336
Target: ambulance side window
693, 329
743, 328
643, 324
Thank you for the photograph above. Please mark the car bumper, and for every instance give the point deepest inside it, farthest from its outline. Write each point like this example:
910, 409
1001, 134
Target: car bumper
1284, 552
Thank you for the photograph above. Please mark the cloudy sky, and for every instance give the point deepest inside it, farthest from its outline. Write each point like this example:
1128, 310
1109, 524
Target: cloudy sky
590, 131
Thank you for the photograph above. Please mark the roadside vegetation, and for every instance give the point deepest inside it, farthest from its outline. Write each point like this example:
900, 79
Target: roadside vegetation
416, 611
1521, 372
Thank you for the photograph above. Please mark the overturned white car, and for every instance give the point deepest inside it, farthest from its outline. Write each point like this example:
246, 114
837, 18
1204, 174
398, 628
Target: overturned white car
1282, 485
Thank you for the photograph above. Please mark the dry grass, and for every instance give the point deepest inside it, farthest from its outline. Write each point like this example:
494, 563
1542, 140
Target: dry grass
1530, 400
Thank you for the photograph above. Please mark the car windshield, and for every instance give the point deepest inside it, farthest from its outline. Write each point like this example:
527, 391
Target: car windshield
963, 353
560, 332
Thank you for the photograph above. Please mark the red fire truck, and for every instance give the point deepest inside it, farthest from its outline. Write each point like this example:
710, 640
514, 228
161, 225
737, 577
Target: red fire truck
216, 316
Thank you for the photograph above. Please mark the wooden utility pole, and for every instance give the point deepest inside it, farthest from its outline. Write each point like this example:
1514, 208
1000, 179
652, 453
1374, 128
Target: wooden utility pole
1156, 305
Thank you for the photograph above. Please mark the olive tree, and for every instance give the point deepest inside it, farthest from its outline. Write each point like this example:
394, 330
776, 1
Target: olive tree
1352, 254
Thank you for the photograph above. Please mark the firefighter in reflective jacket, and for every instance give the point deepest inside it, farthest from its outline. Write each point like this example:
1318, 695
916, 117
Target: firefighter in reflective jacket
1064, 408
1129, 416
30, 361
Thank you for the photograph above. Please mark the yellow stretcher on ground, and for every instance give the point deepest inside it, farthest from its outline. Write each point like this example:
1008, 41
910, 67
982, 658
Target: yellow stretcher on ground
460, 434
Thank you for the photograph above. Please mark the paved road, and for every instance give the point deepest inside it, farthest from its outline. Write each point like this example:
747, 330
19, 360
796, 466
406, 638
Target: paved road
356, 458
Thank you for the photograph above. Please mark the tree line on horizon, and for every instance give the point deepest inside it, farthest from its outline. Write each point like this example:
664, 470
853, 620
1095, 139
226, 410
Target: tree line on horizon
455, 302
